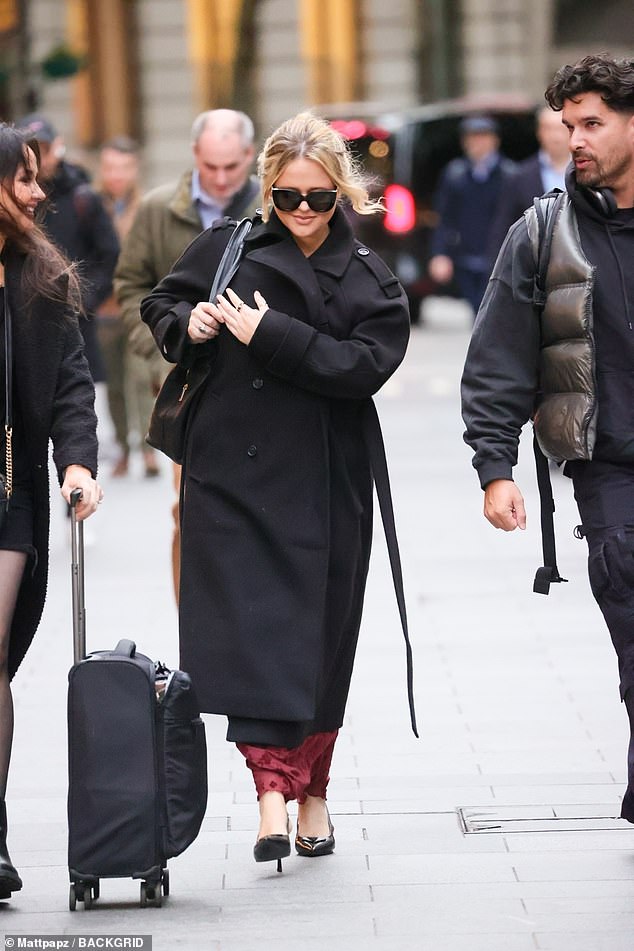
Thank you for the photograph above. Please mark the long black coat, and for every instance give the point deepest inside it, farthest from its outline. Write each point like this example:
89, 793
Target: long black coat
56, 396
277, 500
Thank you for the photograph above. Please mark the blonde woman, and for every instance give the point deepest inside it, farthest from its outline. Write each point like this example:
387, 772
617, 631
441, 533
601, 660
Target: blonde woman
277, 488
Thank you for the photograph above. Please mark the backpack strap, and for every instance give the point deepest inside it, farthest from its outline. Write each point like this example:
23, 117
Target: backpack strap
549, 573
545, 209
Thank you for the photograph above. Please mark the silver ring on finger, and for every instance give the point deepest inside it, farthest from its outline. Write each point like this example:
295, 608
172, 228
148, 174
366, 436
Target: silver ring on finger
240, 306
202, 329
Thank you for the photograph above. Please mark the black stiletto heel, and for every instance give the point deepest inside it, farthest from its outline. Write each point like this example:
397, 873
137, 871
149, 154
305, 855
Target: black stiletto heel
271, 848
312, 845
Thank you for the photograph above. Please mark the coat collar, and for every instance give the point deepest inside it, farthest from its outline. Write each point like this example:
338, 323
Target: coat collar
273, 245
181, 204
332, 257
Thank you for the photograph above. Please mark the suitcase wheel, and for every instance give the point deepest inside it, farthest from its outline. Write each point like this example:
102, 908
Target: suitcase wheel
82, 891
151, 893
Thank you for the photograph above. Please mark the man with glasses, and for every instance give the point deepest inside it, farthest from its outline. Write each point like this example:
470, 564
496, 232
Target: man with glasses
170, 217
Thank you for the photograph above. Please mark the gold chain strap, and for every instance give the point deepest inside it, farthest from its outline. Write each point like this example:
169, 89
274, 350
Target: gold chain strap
8, 432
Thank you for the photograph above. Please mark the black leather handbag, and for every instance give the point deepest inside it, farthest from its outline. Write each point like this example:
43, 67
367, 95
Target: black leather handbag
183, 386
6, 477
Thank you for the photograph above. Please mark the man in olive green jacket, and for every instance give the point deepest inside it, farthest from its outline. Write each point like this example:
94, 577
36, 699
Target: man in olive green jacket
170, 217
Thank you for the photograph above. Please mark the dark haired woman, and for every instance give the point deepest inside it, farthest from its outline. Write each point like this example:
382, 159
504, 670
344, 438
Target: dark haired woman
51, 397
277, 487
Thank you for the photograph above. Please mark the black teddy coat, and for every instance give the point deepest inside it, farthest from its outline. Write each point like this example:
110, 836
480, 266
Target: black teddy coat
56, 394
277, 488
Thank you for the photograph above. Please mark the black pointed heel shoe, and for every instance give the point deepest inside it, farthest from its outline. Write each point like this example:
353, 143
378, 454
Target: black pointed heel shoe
273, 848
10, 881
313, 845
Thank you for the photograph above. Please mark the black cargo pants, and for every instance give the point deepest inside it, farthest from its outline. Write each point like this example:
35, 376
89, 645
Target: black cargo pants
605, 497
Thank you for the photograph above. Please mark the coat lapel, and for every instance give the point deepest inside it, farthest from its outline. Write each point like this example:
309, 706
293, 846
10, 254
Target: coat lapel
291, 264
272, 245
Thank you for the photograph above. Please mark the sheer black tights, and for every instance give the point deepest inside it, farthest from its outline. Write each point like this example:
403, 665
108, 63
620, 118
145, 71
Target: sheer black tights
11, 570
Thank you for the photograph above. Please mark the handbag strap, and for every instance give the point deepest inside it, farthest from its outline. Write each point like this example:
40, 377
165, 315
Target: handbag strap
378, 462
230, 259
8, 394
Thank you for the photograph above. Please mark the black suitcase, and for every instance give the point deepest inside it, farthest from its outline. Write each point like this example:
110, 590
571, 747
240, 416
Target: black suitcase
137, 761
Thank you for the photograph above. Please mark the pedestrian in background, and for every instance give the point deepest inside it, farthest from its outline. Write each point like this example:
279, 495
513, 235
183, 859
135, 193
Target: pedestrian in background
536, 175
466, 201
76, 220
129, 386
573, 368
277, 502
52, 397
169, 218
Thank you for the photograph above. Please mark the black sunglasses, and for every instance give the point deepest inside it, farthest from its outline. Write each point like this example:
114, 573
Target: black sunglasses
319, 200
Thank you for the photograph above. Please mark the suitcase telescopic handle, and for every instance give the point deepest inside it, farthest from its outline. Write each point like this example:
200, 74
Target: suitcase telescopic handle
77, 579
126, 647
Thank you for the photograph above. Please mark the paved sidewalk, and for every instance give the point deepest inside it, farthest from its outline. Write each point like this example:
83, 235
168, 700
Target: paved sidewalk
517, 703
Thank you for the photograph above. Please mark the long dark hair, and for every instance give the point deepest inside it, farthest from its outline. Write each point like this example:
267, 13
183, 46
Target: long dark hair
44, 264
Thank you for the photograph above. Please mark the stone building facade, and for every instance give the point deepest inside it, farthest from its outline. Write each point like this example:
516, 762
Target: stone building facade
154, 64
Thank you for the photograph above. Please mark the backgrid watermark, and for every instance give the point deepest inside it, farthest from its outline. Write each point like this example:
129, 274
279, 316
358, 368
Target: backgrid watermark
100, 942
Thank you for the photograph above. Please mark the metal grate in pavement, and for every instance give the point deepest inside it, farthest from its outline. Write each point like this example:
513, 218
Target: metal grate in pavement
566, 818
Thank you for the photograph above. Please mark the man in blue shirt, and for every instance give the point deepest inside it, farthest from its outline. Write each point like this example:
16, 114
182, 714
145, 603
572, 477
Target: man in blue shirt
533, 177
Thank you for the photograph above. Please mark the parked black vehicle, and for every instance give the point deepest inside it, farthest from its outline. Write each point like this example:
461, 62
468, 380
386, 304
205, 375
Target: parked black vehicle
405, 151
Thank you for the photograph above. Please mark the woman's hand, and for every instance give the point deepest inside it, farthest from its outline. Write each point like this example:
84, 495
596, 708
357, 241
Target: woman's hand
78, 477
238, 317
203, 323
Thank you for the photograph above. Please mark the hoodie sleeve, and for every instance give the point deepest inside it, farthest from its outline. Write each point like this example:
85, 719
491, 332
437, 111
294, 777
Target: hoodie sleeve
500, 377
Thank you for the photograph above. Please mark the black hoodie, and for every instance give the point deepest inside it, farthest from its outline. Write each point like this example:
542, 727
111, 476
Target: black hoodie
608, 243
500, 378
77, 221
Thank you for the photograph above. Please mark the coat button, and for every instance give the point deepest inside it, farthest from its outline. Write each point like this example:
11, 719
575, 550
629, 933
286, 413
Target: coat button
252, 451
258, 383
363, 251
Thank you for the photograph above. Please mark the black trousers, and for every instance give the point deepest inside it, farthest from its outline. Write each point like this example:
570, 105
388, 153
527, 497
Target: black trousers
604, 493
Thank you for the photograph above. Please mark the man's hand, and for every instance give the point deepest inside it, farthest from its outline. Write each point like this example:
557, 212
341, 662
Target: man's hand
504, 505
